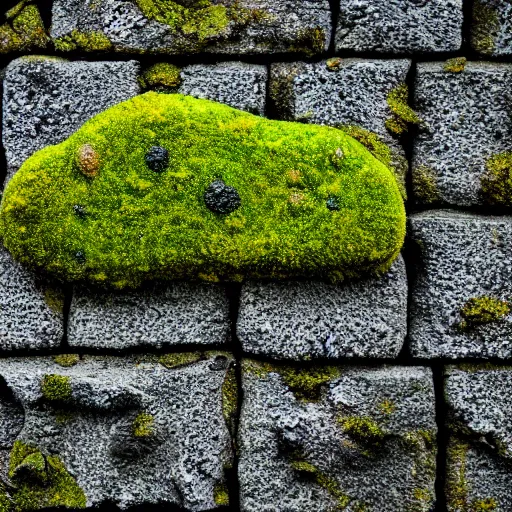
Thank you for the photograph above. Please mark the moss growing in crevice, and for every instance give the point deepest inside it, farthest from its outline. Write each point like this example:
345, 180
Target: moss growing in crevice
56, 388
143, 425
483, 310
177, 360
230, 399
221, 494
497, 180
363, 430
67, 360
54, 298
307, 384
85, 41
456, 65
403, 115
162, 77
485, 27
424, 182
309, 41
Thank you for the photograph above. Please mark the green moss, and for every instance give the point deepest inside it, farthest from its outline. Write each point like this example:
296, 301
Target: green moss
362, 429
221, 495
483, 310
230, 399
141, 224
424, 182
307, 384
161, 76
56, 387
85, 41
176, 360
334, 64
67, 360
54, 298
143, 425
485, 28
485, 504
53, 487
403, 114
24, 29
310, 41
497, 180
456, 65
387, 407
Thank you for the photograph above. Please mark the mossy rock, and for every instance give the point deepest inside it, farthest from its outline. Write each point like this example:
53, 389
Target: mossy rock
296, 200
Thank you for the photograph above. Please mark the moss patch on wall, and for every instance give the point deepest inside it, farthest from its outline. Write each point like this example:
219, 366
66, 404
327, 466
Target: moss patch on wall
221, 495
455, 65
483, 310
85, 41
362, 429
424, 182
497, 180
163, 77
307, 383
230, 399
485, 27
144, 214
56, 388
143, 425
403, 115
176, 360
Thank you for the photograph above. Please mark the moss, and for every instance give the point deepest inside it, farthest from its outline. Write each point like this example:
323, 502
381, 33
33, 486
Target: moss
67, 360
387, 407
497, 180
485, 27
162, 77
307, 384
424, 182
309, 41
54, 298
143, 425
363, 429
483, 310
485, 504
56, 387
334, 64
230, 399
282, 91
221, 495
85, 41
145, 225
456, 65
403, 114
176, 360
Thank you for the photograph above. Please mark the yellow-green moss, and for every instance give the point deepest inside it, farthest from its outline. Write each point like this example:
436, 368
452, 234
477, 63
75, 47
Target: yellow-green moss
56, 387
424, 182
456, 65
485, 28
307, 383
161, 76
497, 180
484, 505
54, 297
362, 429
334, 64
387, 407
140, 224
221, 495
483, 310
53, 487
309, 41
403, 114
85, 41
182, 359
67, 360
230, 399
143, 425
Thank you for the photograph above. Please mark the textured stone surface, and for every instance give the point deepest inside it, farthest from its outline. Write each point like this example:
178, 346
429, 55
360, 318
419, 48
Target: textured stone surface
399, 26
158, 315
466, 121
47, 99
312, 319
272, 26
480, 449
31, 308
461, 256
237, 84
491, 29
298, 455
180, 461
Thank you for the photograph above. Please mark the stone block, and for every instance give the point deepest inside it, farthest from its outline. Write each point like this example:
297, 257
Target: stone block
491, 29
337, 439
304, 320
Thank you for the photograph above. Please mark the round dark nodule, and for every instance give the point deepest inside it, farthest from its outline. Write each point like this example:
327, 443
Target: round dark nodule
157, 159
333, 204
220, 198
80, 256
79, 211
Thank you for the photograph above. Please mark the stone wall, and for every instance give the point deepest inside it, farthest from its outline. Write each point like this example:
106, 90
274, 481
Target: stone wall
381, 394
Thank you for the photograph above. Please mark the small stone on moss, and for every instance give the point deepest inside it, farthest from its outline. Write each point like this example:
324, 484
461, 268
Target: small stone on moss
88, 161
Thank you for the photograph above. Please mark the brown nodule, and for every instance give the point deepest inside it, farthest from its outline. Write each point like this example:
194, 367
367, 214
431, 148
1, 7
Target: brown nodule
88, 161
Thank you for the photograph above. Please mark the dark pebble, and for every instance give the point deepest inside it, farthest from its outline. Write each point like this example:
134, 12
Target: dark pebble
220, 198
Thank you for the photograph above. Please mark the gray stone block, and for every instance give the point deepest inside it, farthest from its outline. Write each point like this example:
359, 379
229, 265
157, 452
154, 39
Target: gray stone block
158, 315
129, 431
31, 308
244, 27
399, 26
343, 438
304, 320
479, 463
237, 84
47, 99
459, 302
466, 122
491, 30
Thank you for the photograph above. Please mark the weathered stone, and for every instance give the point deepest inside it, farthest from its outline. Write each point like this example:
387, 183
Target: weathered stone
246, 27
31, 310
466, 122
337, 438
479, 465
491, 30
157, 315
463, 260
237, 84
221, 198
311, 319
47, 99
399, 26
130, 431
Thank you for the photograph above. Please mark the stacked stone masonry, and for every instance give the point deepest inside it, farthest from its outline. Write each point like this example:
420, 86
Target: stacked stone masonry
386, 393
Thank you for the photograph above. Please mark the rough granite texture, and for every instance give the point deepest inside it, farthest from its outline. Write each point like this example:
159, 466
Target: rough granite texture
399, 26
492, 27
282, 26
466, 121
303, 320
179, 462
31, 308
460, 256
480, 449
341, 468
47, 99
237, 84
159, 315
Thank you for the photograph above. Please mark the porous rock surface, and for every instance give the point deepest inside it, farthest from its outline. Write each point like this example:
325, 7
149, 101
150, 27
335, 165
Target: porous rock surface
181, 459
466, 121
300, 320
460, 256
480, 448
491, 31
399, 26
298, 455
237, 84
157, 315
279, 26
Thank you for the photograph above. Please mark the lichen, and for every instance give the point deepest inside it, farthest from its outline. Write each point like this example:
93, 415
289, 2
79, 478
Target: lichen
485, 27
403, 115
483, 310
163, 77
362, 429
85, 41
143, 225
56, 388
496, 182
230, 399
455, 65
176, 360
221, 494
143, 425
67, 360
424, 182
